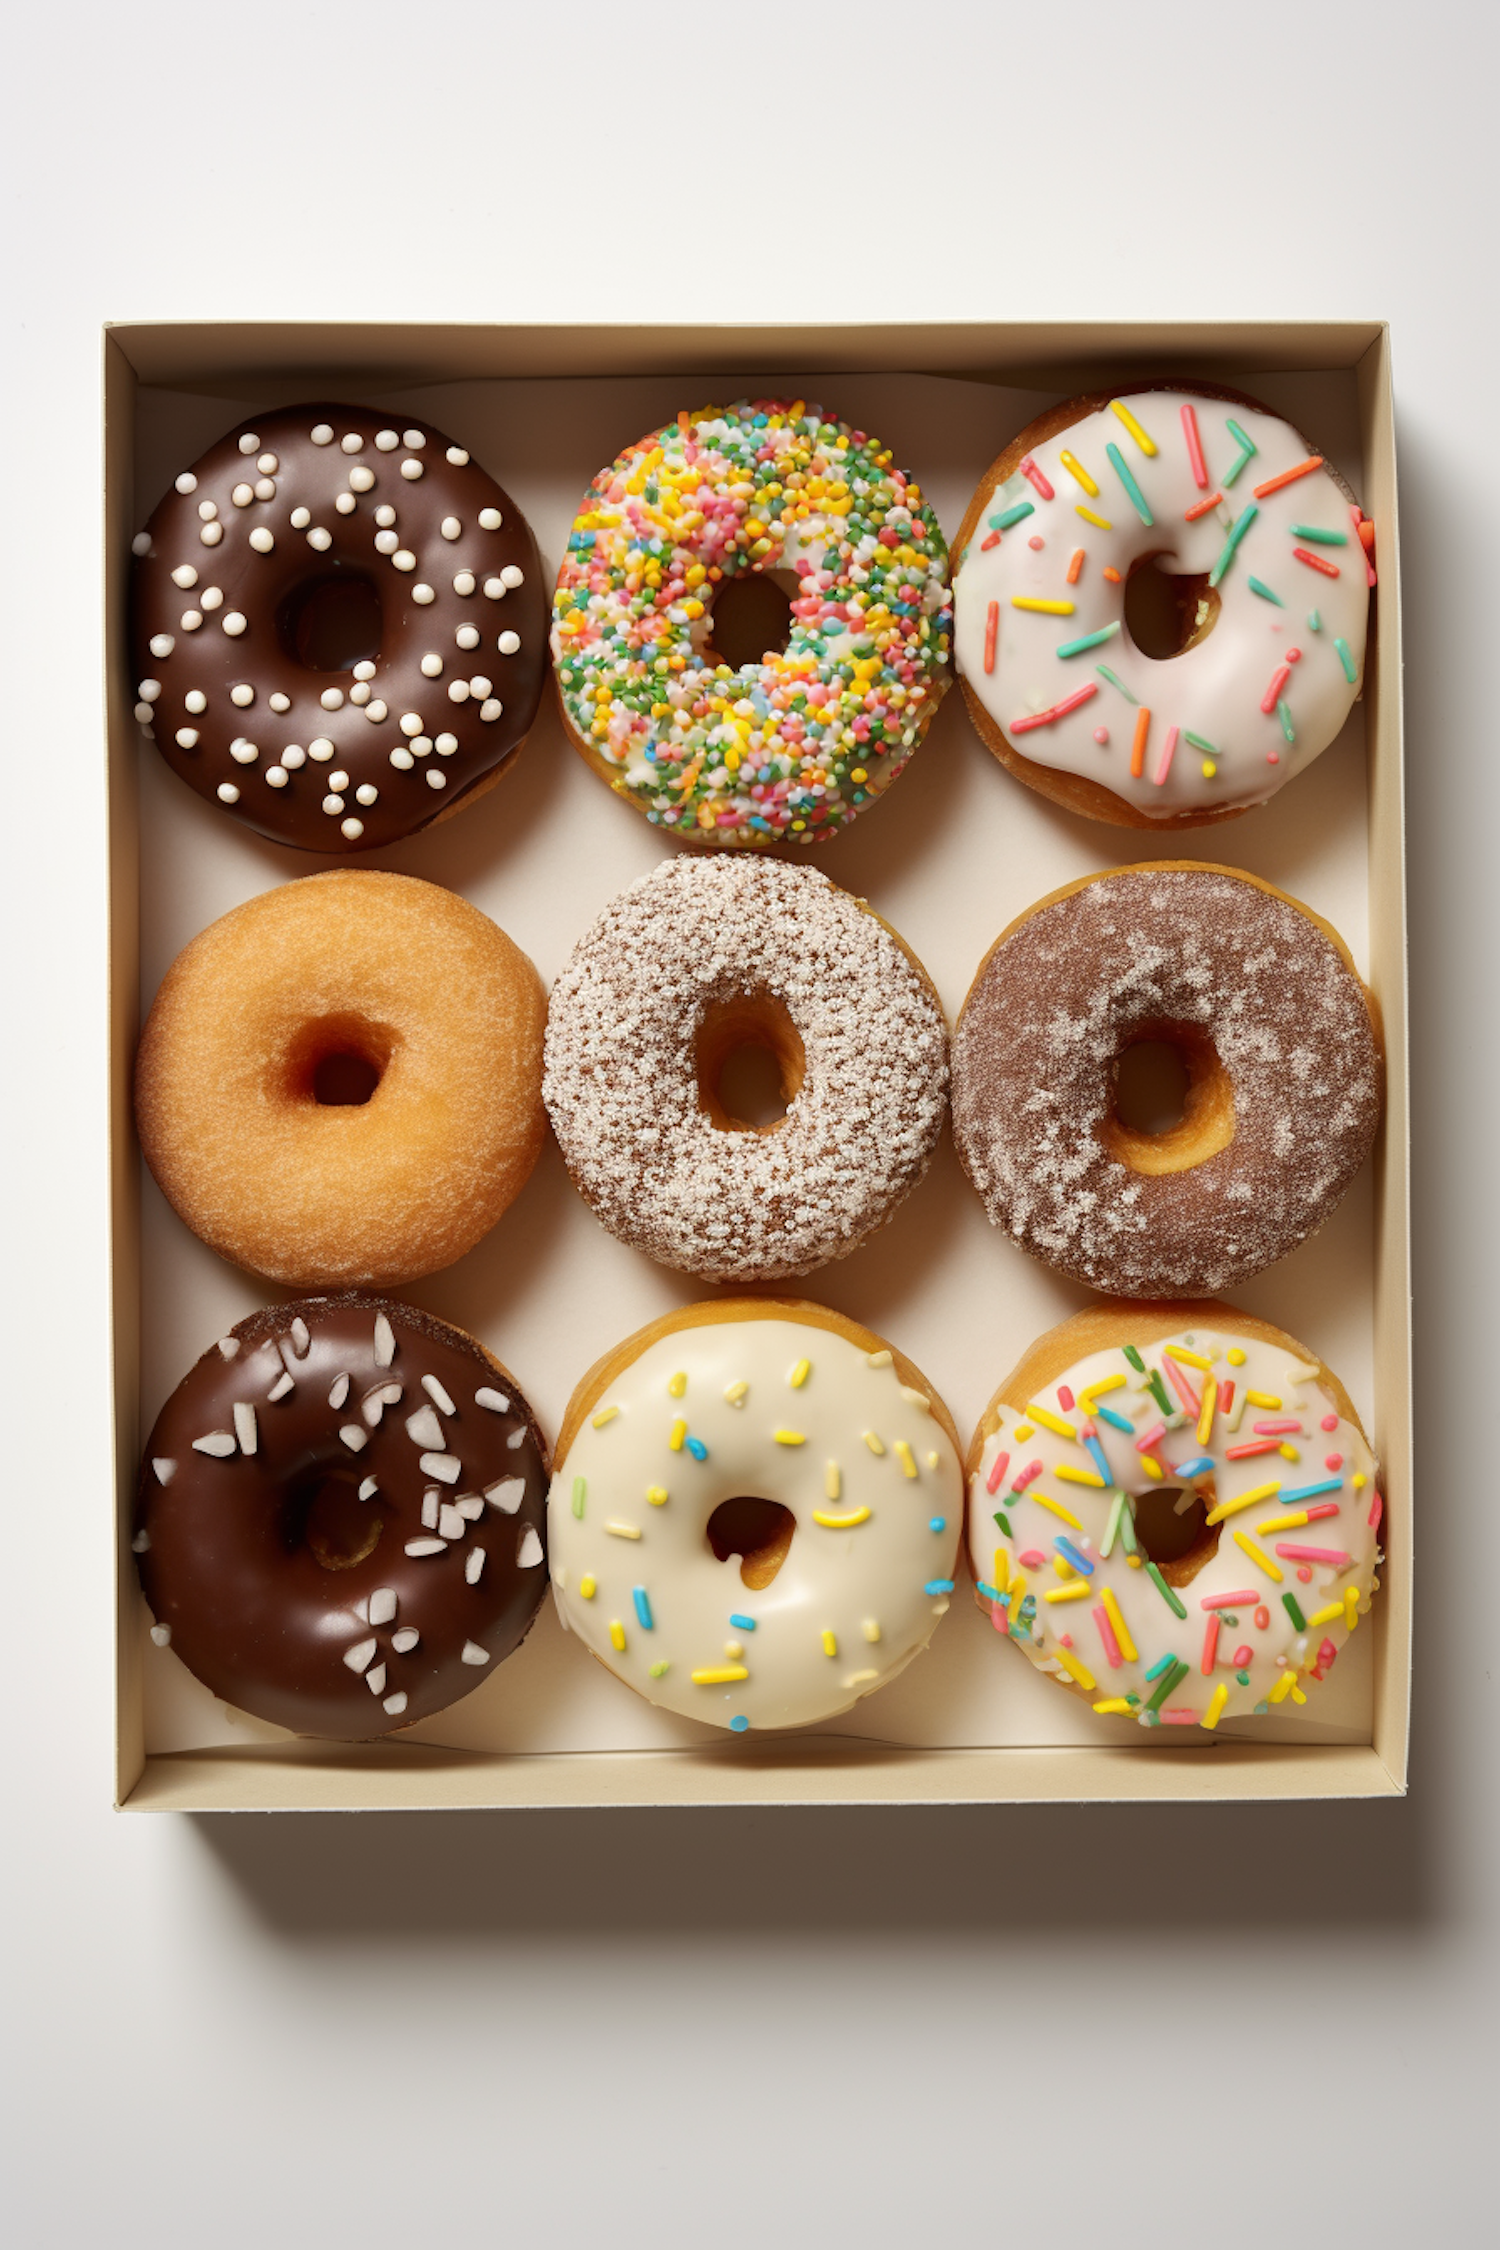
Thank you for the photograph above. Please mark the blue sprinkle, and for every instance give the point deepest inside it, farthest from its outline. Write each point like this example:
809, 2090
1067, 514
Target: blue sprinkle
1162, 1664
990, 1593
1100, 1460
745, 1624
1310, 1491
739, 1723
642, 1602
937, 1523
1115, 1421
1017, 514
1199, 1466
697, 1448
938, 1586
1069, 1553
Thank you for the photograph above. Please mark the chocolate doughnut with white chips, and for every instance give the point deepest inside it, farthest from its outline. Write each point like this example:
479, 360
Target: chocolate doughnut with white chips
338, 629
341, 1517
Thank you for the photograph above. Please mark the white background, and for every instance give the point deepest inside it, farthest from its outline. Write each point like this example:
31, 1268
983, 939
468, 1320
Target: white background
661, 2028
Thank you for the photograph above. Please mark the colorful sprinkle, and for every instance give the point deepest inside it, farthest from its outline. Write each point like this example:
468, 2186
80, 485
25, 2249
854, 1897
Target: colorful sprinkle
1025, 724
1079, 474
1196, 461
1287, 476
1088, 640
1146, 444
642, 1602
1240, 526
1247, 448
1133, 491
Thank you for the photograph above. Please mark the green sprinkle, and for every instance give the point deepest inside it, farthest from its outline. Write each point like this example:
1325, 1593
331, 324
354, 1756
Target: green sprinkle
1004, 1523
1259, 586
1315, 621
1243, 1678
1165, 1591
1284, 714
1201, 742
1112, 1528
1163, 1664
1247, 449
1130, 1351
1127, 1526
1351, 669
580, 1491
1105, 673
658, 1669
1159, 1392
1320, 538
1088, 640
1240, 526
1289, 1604
1169, 1685
1137, 497
1022, 509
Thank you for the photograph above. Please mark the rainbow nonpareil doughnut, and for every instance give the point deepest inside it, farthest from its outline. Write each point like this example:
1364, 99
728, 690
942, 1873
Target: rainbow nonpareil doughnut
1274, 567
792, 748
1266, 1566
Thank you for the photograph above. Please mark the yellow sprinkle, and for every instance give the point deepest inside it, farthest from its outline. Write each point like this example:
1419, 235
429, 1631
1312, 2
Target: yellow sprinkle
1089, 516
1283, 1688
1235, 1356
605, 1414
1105, 1383
1043, 608
933, 1460
734, 1650
1262, 1398
1359, 1480
679, 1432
830, 1643
1283, 1523
1063, 1569
657, 1495
1132, 1562
833, 1483
616, 1632
789, 1437
1216, 1703
1258, 1555
677, 1385
1328, 1616
1193, 1359
1079, 474
1078, 1593
841, 1523
1288, 1452
858, 1679
1054, 1508
1114, 1703
903, 1454
715, 1675
1078, 1476
1051, 1422
1152, 1468
1206, 1412
1351, 1606
1245, 1500
1146, 444
1074, 1669
872, 1628
1021, 1432
588, 1586
873, 1442
623, 1530
1001, 1569
1122, 1630
736, 1392
800, 1374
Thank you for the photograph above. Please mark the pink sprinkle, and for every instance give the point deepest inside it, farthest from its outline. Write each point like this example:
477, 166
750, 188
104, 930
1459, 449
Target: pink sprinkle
1249, 1452
1107, 1635
1182, 1386
1326, 1652
1272, 696
1273, 757
1210, 1646
1325, 1508
1058, 711
1377, 1506
1294, 656
1226, 1396
1065, 1398
997, 1471
1333, 1460
1000, 1617
1168, 752
1066, 1639
1329, 1422
1101, 734
1194, 446
1028, 1475
1179, 1716
1304, 1574
1290, 1553
1262, 1617
1033, 1559
1242, 1656
1241, 1600
1034, 476
1150, 1439
1036, 543
1292, 1428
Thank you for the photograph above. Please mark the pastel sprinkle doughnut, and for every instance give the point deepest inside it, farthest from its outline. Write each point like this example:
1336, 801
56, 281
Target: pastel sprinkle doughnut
755, 1514
1277, 1041
792, 748
1268, 598
341, 1516
1174, 1511
338, 627
707, 956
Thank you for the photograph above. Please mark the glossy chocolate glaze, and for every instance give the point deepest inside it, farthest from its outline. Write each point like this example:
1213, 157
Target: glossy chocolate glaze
245, 1554
322, 599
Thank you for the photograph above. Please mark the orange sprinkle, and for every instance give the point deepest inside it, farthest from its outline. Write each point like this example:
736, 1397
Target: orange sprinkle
1138, 746
991, 627
1075, 566
1112, 574
1289, 476
1214, 500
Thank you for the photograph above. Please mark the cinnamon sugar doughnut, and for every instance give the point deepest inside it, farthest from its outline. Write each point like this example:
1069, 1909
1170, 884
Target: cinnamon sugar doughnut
1282, 1054
707, 954
340, 1081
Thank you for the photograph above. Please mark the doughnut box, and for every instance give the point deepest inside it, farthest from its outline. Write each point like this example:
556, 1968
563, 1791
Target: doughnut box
963, 852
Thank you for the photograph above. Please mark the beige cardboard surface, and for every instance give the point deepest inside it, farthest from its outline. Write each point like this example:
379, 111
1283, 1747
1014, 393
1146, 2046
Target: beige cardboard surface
957, 851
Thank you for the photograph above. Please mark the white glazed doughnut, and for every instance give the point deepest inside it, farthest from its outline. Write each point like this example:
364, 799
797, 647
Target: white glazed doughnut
755, 1513
1271, 561
1174, 1511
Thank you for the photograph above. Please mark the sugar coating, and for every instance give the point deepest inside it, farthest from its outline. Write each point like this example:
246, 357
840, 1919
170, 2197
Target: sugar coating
1033, 1080
621, 1076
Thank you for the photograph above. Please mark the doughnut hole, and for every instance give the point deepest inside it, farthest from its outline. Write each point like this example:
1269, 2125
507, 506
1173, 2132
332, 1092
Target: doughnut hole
1172, 1100
327, 1516
751, 1063
336, 1062
331, 622
1168, 612
1173, 1531
751, 618
754, 1531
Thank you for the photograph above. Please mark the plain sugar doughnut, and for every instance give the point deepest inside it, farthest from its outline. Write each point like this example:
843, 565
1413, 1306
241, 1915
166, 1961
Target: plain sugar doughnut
339, 1082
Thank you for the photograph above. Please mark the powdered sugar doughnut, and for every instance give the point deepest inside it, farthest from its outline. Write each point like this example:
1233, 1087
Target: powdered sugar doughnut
1261, 999
706, 955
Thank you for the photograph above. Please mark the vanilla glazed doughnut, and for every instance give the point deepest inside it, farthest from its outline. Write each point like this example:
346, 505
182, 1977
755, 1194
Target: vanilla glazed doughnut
696, 959
338, 628
755, 1513
1174, 1511
341, 1517
340, 1081
1282, 1055
792, 748
1273, 563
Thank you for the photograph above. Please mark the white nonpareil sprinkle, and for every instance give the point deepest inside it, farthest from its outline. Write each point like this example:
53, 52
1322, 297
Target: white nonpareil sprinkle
265, 490
368, 1489
187, 482
276, 777
149, 690
242, 695
387, 440
366, 793
446, 744
207, 510
361, 479
268, 464
411, 470
262, 540
406, 1640
382, 1605
508, 643
184, 575
464, 583
141, 1543
319, 539
458, 691
227, 793
395, 1704
280, 702
245, 1427
432, 1500
467, 636
332, 699
411, 722
144, 715
162, 1635
359, 694
470, 1507
423, 594
386, 542
293, 757
377, 712
490, 709
495, 588
162, 644
190, 620
421, 1547
529, 1552
451, 528
283, 1385
436, 780
333, 806
364, 670
457, 458
352, 443
402, 760
416, 439
385, 515
351, 829
473, 1565
507, 1495
219, 1444
450, 1523
249, 442
234, 623
474, 1654
432, 665
243, 751
187, 738
141, 543
361, 1655
163, 1469
479, 686
438, 1395
375, 1680
320, 749
301, 518
243, 495
354, 1437
211, 598
513, 575
490, 519
495, 1402
403, 559
516, 1438
345, 503
446, 1467
338, 1391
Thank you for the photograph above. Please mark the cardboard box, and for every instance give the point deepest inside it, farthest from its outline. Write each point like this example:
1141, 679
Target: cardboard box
565, 388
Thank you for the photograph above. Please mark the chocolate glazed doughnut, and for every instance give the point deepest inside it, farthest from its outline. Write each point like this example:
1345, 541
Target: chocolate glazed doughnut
341, 1518
338, 627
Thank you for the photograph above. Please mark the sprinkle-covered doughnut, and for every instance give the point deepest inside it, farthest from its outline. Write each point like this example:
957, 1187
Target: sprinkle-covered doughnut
1173, 1510
1272, 566
706, 955
340, 1081
755, 1515
341, 1516
1273, 1025
794, 747
338, 627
